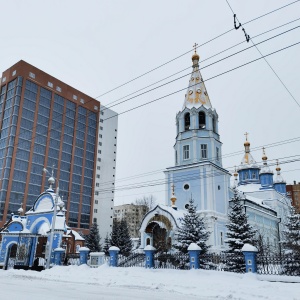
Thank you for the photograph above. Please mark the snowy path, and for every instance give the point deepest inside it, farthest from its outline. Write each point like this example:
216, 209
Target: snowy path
137, 283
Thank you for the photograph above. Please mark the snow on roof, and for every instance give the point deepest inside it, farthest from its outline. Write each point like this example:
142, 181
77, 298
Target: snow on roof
114, 248
249, 248
77, 236
149, 247
44, 229
248, 188
60, 222
177, 214
194, 246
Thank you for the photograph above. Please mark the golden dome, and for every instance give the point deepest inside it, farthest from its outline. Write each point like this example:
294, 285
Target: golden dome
195, 56
247, 143
278, 167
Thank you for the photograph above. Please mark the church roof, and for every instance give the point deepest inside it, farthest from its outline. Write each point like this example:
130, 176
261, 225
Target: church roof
196, 94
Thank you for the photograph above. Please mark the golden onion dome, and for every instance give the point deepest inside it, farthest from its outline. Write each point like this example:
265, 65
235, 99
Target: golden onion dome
247, 143
264, 157
195, 56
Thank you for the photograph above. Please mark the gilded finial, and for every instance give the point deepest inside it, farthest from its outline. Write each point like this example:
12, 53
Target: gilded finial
247, 142
195, 55
264, 157
235, 174
278, 167
173, 198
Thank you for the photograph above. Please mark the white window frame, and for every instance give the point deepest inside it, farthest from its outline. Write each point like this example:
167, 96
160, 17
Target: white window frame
201, 150
186, 152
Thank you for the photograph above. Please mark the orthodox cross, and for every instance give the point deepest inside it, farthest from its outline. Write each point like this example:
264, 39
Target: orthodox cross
246, 134
195, 46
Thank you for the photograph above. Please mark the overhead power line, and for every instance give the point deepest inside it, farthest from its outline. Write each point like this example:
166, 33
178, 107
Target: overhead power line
189, 51
264, 57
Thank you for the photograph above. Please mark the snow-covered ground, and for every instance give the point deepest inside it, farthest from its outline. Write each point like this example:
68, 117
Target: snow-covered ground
82, 282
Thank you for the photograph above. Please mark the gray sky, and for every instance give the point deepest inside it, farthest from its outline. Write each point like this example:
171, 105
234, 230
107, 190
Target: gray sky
97, 45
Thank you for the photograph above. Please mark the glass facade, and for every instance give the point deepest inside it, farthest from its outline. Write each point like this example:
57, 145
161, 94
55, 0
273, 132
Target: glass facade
51, 131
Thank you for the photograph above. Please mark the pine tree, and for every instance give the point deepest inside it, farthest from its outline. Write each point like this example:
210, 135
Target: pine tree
92, 240
291, 243
120, 237
106, 244
192, 230
239, 233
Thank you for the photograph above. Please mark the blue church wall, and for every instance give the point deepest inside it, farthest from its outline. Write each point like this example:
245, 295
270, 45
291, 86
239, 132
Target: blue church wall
280, 187
220, 188
266, 180
250, 175
35, 221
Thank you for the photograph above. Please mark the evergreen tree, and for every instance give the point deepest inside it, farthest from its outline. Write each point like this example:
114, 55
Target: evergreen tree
106, 244
120, 237
92, 240
291, 243
192, 230
239, 233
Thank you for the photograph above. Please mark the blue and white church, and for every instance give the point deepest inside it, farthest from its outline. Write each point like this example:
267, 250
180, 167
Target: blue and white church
198, 172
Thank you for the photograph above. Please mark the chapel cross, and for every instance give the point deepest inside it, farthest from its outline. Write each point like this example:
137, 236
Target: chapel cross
195, 47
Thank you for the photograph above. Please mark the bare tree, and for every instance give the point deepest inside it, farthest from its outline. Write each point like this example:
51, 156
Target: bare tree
148, 201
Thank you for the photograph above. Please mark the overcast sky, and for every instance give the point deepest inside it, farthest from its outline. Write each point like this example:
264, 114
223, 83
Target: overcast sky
96, 46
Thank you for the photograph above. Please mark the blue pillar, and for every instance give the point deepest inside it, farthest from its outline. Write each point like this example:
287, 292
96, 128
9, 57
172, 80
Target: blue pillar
83, 255
149, 255
113, 253
250, 253
58, 256
194, 251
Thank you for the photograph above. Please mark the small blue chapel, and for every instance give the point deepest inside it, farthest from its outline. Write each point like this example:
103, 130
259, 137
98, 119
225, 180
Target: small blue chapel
22, 237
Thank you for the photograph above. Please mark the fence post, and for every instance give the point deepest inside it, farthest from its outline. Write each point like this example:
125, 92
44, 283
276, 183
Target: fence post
58, 255
83, 255
250, 253
149, 255
113, 253
194, 251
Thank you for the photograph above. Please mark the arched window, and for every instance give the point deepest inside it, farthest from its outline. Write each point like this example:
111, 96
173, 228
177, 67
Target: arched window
187, 121
214, 124
147, 241
202, 122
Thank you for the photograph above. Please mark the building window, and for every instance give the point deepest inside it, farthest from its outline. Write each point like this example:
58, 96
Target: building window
3, 79
214, 124
101, 120
202, 120
14, 73
203, 151
82, 101
246, 176
74, 97
96, 201
217, 153
95, 107
32, 75
58, 89
187, 121
102, 112
95, 220
95, 210
253, 175
97, 184
98, 176
186, 152
99, 159
101, 128
50, 84
100, 143
97, 194
221, 238
98, 167
99, 151
176, 158
100, 136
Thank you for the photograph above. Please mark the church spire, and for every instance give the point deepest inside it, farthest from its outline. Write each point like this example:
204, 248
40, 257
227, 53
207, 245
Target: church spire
196, 94
247, 158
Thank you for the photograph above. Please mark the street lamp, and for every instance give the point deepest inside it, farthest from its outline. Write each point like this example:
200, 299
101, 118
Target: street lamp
51, 181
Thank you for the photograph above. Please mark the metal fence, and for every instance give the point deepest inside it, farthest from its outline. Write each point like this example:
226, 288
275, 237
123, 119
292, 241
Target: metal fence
230, 262
72, 259
171, 261
287, 264
133, 260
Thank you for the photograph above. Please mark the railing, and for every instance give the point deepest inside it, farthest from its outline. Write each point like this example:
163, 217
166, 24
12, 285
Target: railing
72, 259
133, 260
287, 264
171, 261
230, 262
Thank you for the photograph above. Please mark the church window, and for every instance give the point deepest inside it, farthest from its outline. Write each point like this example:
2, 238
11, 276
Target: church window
221, 238
246, 176
203, 151
187, 206
253, 175
187, 121
202, 122
147, 241
217, 153
186, 152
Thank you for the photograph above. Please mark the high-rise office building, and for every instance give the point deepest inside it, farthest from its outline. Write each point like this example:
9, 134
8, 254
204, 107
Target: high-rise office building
105, 171
43, 123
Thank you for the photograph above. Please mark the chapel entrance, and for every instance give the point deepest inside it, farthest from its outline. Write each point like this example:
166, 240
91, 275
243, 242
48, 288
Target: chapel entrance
11, 257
